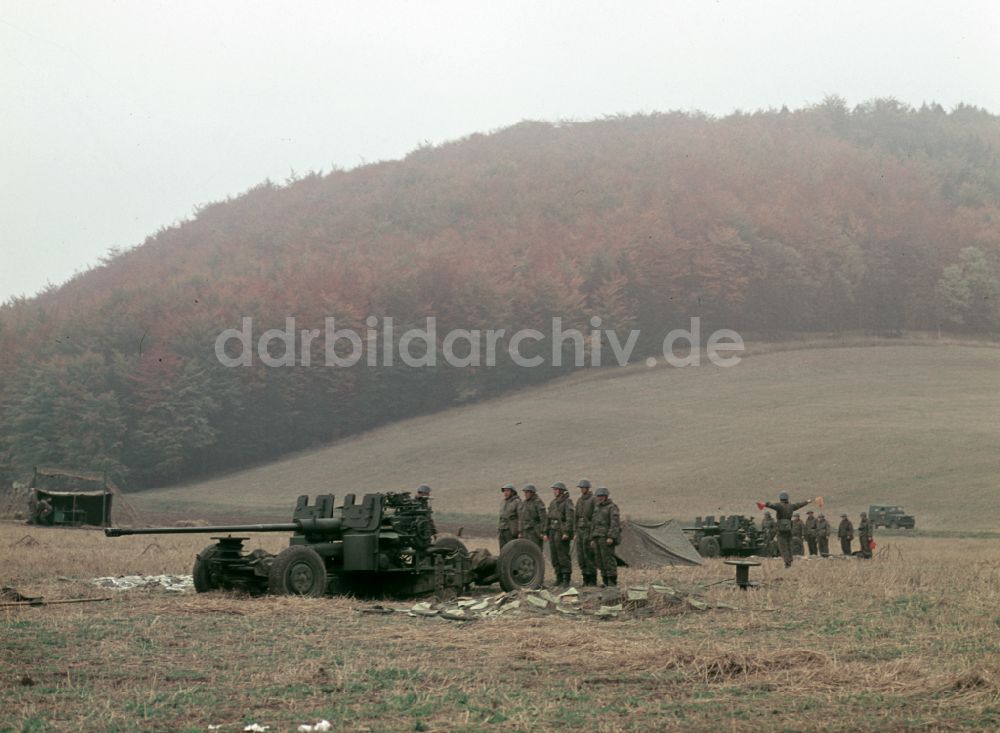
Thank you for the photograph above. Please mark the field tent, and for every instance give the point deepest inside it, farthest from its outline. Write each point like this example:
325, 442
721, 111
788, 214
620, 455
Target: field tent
649, 544
81, 498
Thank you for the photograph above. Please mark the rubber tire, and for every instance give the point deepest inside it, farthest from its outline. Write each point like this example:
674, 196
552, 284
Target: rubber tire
204, 580
521, 565
893, 524
451, 543
709, 547
297, 571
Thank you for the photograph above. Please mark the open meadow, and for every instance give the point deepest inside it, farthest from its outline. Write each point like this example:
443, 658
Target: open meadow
913, 423
907, 641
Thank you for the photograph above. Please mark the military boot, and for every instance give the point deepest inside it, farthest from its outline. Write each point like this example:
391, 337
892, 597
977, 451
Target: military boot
609, 582
590, 579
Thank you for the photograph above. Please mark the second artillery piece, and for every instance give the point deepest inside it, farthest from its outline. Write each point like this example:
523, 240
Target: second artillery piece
732, 536
382, 545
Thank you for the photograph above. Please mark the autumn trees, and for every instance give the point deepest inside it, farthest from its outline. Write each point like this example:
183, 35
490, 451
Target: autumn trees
878, 219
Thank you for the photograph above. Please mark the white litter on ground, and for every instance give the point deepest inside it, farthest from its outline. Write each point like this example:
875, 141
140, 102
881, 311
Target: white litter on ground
176, 583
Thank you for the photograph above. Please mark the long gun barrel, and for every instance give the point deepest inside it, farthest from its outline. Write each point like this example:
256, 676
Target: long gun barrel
309, 526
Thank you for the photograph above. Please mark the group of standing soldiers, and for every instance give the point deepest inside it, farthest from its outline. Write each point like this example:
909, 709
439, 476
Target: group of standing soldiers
593, 523
792, 535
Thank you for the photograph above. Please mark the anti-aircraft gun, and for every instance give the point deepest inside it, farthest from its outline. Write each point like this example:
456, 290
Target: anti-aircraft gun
382, 545
732, 536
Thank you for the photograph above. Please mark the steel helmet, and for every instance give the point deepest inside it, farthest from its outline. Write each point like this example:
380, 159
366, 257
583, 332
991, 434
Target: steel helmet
602, 491
783, 496
584, 484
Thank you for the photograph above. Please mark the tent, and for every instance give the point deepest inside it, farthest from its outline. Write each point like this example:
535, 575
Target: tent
80, 498
646, 544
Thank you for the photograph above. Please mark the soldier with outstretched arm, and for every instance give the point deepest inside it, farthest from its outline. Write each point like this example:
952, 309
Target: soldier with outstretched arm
783, 511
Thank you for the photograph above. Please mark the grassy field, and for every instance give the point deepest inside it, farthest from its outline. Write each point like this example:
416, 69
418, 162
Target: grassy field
912, 424
907, 641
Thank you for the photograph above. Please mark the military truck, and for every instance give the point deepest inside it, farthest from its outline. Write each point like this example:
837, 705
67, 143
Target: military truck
382, 545
891, 516
732, 536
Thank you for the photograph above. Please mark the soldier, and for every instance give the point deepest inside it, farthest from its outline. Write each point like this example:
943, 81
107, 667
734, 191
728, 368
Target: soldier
562, 522
798, 535
531, 517
823, 535
424, 497
783, 511
584, 514
605, 533
865, 535
768, 529
846, 534
44, 515
507, 528
811, 533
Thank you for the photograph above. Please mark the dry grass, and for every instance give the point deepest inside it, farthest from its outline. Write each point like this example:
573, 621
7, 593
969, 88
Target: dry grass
908, 424
907, 641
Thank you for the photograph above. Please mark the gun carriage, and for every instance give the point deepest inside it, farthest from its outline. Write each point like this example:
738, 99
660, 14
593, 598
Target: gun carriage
382, 545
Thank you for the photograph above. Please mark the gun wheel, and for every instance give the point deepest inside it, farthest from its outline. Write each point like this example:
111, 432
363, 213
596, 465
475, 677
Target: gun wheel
521, 565
708, 547
297, 571
204, 570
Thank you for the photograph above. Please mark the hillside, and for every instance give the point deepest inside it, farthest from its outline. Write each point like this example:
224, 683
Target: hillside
915, 425
882, 219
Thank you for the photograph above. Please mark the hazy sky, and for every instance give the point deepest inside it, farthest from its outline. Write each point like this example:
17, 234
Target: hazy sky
119, 118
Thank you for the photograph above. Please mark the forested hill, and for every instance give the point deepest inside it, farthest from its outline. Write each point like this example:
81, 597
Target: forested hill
882, 218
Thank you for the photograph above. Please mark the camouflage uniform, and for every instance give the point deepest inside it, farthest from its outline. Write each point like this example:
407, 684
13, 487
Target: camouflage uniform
507, 528
584, 552
798, 535
845, 532
783, 510
865, 535
823, 535
810, 533
605, 533
562, 520
767, 530
44, 514
531, 517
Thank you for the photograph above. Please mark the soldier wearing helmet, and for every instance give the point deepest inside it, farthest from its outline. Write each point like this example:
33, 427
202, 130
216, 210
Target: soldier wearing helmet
584, 515
605, 533
783, 510
823, 535
507, 528
865, 535
562, 523
798, 536
845, 533
531, 517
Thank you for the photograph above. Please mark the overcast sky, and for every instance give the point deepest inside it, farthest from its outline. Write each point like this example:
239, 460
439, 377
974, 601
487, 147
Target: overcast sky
119, 118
